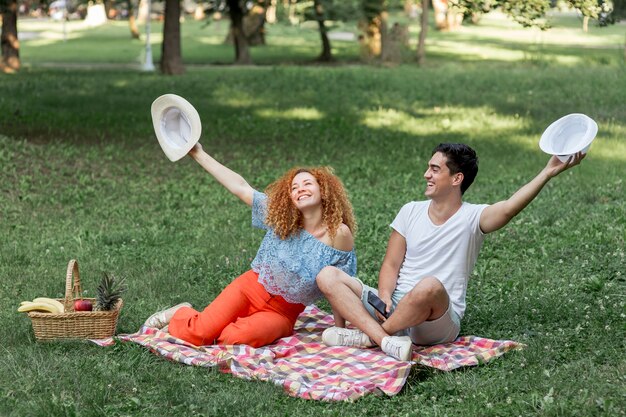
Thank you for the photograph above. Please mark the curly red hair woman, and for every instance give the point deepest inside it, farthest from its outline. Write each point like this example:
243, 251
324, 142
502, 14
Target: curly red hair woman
309, 225
286, 219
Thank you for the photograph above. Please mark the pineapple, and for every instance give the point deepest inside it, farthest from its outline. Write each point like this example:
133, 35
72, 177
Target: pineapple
109, 291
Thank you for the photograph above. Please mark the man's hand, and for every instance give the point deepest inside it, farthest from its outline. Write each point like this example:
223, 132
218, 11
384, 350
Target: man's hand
387, 300
555, 166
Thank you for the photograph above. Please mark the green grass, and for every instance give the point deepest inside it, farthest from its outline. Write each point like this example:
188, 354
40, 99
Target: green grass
83, 177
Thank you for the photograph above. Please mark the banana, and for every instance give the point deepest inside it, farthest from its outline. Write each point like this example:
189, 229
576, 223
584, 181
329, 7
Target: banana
29, 306
52, 301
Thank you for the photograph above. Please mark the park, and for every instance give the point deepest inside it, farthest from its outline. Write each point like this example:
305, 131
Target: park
82, 176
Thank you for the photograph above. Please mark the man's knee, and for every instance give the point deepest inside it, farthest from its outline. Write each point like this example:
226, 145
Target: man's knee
429, 290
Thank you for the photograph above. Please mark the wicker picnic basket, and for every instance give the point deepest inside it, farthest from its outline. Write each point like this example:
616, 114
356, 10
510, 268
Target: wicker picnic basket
75, 324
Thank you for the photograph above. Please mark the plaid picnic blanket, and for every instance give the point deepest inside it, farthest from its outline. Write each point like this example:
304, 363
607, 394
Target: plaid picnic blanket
307, 368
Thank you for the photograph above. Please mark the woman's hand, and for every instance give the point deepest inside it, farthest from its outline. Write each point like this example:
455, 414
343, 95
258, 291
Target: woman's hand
195, 151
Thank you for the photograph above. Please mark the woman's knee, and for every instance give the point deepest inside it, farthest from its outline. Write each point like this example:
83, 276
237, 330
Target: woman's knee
247, 332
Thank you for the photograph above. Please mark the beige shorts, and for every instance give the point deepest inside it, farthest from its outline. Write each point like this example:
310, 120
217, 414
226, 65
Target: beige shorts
444, 329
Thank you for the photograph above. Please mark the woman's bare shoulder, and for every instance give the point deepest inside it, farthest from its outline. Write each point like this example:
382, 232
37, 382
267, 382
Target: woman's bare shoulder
343, 239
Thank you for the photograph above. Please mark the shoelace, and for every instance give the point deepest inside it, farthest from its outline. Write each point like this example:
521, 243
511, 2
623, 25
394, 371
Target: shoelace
349, 338
394, 350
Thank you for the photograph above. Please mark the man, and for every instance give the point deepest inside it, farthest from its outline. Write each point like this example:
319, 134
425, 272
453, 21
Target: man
430, 255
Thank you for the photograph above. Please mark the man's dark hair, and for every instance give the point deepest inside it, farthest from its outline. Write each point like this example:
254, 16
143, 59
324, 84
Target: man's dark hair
460, 158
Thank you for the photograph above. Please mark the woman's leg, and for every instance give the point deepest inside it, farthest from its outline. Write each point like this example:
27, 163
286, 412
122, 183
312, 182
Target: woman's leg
258, 329
202, 328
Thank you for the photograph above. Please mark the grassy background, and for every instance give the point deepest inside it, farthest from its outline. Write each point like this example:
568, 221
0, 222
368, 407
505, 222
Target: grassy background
83, 177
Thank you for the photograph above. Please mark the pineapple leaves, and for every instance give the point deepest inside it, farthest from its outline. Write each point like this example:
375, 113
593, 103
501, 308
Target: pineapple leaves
109, 291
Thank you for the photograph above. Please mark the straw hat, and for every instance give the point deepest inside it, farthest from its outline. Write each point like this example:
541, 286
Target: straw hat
176, 124
568, 135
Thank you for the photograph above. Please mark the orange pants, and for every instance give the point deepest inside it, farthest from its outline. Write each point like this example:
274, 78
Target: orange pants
243, 313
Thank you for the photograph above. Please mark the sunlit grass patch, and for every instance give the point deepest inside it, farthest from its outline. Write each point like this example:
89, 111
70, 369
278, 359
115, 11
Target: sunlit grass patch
300, 113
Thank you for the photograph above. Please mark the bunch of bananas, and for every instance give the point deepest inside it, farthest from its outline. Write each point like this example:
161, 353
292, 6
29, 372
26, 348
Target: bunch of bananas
42, 304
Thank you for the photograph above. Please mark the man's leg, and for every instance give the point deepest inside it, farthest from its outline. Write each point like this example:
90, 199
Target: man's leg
343, 292
428, 300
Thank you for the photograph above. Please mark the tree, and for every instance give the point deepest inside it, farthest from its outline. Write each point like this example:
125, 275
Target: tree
448, 14
528, 13
132, 20
525, 12
617, 13
237, 10
254, 23
592, 9
321, 12
171, 60
374, 27
421, 43
8, 40
320, 17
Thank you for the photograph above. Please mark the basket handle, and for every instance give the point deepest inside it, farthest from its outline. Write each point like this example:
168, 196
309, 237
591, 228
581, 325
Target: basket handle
72, 291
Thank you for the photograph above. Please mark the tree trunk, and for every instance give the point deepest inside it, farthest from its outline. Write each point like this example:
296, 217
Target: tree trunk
8, 40
327, 54
142, 12
132, 21
440, 8
109, 9
254, 24
585, 24
132, 24
242, 50
371, 42
171, 60
270, 15
291, 11
386, 52
421, 43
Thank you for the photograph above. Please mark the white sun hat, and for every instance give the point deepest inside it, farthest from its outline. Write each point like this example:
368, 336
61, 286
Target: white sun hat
176, 124
568, 135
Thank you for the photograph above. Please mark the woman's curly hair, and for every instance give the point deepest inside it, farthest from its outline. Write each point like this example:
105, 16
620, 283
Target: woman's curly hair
286, 219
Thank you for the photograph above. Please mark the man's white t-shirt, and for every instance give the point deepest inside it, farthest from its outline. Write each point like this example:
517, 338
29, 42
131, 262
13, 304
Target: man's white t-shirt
447, 252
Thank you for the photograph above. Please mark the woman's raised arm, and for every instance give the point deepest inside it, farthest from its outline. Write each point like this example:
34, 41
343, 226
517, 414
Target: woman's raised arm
225, 176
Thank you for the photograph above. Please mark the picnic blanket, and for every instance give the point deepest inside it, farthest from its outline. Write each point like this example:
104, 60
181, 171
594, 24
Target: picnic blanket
307, 368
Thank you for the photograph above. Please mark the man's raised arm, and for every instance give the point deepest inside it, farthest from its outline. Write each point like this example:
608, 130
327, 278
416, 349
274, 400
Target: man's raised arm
500, 214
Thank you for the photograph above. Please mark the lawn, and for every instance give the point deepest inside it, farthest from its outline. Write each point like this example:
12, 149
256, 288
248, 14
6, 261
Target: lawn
82, 176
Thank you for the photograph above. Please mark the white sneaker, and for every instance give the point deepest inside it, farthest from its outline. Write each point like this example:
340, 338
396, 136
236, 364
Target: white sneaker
338, 336
162, 318
398, 347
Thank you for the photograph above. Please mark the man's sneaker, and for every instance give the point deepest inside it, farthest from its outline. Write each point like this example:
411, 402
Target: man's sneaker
162, 318
398, 347
338, 336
